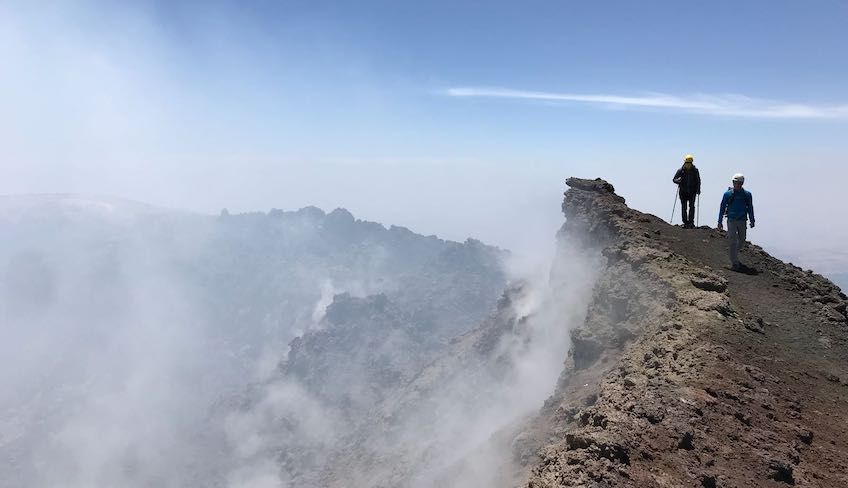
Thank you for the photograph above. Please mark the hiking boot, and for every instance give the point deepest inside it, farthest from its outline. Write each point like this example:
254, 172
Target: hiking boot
736, 267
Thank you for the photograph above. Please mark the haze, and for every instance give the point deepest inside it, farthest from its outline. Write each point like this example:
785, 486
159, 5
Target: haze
151, 339
381, 108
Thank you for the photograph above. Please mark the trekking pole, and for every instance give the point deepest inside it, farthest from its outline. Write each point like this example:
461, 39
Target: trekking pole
698, 213
674, 206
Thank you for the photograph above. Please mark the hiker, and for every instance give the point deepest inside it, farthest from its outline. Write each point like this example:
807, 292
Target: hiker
738, 205
688, 180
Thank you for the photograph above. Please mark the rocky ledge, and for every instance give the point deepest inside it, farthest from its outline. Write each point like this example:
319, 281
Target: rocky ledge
688, 374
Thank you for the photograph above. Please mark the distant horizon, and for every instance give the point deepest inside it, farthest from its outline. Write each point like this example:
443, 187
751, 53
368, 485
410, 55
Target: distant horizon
448, 117
832, 262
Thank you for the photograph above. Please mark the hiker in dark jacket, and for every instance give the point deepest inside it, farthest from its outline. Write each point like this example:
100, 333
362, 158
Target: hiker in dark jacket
738, 204
688, 180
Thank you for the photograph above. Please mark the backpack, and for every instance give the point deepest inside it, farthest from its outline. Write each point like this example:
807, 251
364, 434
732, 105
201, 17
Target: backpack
730, 201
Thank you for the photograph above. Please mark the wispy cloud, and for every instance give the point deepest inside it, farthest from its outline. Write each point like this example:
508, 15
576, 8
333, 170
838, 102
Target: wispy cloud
722, 105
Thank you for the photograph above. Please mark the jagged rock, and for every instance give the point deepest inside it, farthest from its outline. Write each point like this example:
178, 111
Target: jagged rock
782, 471
708, 301
690, 381
709, 282
685, 441
596, 185
754, 327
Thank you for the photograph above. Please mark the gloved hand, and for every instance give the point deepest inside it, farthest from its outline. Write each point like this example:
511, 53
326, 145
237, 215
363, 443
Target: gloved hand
752, 225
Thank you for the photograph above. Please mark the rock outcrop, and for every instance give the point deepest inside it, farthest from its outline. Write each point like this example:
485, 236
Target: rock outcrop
688, 374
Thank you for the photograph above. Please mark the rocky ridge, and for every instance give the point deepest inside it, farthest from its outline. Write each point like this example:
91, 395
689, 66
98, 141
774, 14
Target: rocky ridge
687, 374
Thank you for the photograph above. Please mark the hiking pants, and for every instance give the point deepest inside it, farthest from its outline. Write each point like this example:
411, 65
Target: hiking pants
688, 218
736, 230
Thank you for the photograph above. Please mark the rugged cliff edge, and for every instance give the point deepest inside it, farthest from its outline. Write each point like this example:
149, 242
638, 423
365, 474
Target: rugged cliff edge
687, 374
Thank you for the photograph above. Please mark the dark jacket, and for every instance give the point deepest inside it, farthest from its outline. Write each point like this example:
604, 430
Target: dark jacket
689, 181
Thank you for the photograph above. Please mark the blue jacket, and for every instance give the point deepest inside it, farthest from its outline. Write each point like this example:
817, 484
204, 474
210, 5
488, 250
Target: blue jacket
739, 205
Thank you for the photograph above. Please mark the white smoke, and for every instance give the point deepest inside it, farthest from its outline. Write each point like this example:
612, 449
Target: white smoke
111, 363
462, 431
474, 443
116, 367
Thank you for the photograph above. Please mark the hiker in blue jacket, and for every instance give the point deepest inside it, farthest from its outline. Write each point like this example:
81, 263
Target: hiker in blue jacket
738, 205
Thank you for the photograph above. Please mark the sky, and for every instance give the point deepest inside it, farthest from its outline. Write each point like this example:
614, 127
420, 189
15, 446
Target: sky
451, 118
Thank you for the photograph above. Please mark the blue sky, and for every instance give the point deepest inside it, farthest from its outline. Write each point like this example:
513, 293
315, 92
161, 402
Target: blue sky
454, 118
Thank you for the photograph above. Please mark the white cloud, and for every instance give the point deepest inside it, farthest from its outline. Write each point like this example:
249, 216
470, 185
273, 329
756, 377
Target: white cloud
723, 105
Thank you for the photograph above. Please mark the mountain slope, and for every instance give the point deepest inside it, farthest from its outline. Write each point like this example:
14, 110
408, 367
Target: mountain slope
312, 349
688, 374
129, 330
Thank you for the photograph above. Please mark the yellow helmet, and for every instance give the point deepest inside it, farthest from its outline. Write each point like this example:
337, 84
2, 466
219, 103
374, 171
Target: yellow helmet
689, 158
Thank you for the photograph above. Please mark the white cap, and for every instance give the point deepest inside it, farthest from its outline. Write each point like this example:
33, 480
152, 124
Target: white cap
739, 177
